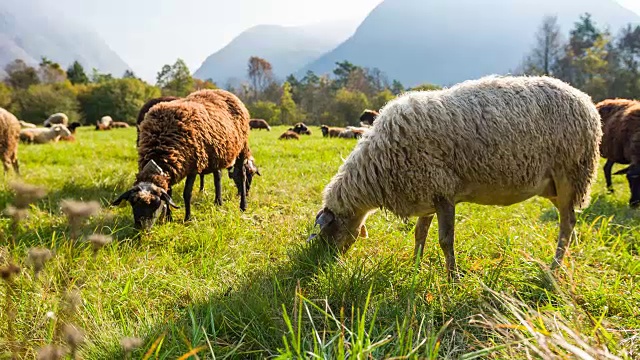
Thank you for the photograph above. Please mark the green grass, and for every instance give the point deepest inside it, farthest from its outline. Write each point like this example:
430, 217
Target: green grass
247, 285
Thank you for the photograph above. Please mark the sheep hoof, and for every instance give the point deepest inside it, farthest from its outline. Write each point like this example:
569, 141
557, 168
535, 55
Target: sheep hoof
610, 191
456, 275
218, 202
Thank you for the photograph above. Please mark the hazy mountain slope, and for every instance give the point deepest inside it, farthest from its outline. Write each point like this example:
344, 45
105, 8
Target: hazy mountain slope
287, 49
28, 30
446, 41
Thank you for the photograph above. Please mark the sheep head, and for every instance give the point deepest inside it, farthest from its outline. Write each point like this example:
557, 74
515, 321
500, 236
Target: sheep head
339, 231
148, 201
61, 130
633, 178
250, 170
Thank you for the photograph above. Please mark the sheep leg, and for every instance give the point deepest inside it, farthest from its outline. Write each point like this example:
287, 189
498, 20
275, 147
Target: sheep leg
186, 195
169, 216
217, 180
446, 211
567, 224
202, 182
240, 177
16, 166
607, 175
422, 229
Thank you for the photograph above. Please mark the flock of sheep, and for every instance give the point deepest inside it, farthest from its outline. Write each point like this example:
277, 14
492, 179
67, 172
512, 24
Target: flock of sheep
493, 141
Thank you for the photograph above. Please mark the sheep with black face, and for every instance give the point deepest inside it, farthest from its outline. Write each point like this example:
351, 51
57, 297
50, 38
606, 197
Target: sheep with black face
204, 132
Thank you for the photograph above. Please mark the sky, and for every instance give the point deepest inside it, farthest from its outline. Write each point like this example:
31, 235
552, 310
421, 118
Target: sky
150, 33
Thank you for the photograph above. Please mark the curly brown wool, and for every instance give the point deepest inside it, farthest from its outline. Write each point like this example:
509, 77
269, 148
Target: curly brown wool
145, 109
9, 138
621, 141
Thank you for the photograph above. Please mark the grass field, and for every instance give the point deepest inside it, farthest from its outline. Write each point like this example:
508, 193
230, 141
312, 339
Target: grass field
234, 285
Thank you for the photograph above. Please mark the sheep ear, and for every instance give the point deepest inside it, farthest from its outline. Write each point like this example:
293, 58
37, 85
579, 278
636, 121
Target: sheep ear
623, 171
165, 196
363, 231
125, 196
152, 168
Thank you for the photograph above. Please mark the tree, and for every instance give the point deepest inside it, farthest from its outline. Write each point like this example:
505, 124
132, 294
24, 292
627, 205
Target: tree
98, 77
266, 110
76, 74
175, 80
396, 87
349, 105
342, 72
203, 84
36, 103
50, 72
288, 108
381, 98
5, 96
119, 98
129, 74
260, 75
627, 59
548, 48
426, 87
20, 75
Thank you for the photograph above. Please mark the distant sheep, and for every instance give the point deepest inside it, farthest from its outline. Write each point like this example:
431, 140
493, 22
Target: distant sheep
70, 138
73, 126
289, 134
621, 142
119, 124
202, 133
9, 133
368, 116
331, 131
57, 118
27, 125
301, 129
106, 120
259, 124
102, 127
44, 135
491, 141
145, 109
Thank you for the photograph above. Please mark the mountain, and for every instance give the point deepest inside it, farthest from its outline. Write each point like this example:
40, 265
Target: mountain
287, 48
448, 41
29, 30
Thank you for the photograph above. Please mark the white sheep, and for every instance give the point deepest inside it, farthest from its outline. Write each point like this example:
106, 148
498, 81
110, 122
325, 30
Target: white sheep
27, 125
57, 118
44, 135
491, 141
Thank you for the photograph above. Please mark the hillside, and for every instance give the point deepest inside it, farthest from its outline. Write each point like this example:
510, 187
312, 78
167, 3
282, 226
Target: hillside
28, 30
287, 48
446, 41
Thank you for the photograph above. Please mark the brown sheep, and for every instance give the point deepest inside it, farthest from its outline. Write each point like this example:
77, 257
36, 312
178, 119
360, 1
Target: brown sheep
621, 142
27, 137
259, 124
145, 108
70, 138
368, 116
9, 134
289, 134
331, 131
102, 127
200, 134
301, 129
119, 124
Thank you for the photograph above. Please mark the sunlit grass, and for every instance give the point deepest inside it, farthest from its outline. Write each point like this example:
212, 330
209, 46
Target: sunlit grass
248, 285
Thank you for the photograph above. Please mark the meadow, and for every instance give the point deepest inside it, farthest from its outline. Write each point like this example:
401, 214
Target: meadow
248, 285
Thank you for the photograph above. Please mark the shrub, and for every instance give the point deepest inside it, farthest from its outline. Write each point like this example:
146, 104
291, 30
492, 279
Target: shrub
37, 102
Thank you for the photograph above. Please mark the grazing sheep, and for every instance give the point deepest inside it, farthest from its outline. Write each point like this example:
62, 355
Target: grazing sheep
73, 126
331, 131
9, 133
200, 134
57, 118
27, 125
102, 127
368, 116
289, 134
119, 124
44, 135
106, 121
621, 142
259, 124
491, 141
301, 129
352, 133
145, 108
